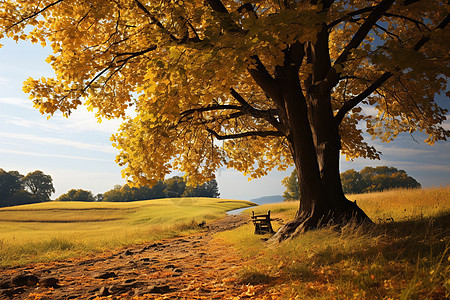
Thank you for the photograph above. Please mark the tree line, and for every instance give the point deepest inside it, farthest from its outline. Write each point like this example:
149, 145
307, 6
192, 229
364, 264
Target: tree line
173, 187
367, 180
35, 187
17, 189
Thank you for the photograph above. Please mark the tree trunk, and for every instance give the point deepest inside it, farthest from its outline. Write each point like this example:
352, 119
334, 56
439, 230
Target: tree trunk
315, 146
322, 200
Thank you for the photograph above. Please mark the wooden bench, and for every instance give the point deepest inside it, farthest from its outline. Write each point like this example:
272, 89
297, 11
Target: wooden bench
262, 223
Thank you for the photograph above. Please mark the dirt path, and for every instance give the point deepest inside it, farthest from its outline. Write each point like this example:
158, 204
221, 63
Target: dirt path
193, 267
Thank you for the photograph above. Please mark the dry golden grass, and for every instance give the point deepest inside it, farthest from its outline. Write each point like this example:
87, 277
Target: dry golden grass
403, 204
405, 255
393, 205
57, 230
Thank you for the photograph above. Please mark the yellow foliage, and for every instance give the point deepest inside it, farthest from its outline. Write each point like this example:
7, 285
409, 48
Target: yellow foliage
167, 58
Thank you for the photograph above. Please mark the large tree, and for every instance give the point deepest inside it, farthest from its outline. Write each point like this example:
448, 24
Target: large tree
251, 85
39, 184
385, 178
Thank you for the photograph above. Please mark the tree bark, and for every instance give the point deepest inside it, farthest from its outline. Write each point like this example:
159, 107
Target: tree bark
315, 144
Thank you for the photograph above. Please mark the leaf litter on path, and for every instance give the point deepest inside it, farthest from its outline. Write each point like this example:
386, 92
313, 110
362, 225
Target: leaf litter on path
192, 267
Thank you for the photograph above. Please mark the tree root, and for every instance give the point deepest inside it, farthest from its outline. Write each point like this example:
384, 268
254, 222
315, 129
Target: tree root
315, 220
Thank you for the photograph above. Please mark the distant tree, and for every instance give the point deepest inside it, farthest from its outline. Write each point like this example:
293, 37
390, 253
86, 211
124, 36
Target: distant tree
385, 178
127, 193
13, 185
10, 183
113, 195
175, 187
98, 197
155, 192
20, 197
77, 195
367, 180
208, 189
39, 184
291, 183
353, 182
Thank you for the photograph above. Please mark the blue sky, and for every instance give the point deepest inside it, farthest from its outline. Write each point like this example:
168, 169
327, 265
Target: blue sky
77, 152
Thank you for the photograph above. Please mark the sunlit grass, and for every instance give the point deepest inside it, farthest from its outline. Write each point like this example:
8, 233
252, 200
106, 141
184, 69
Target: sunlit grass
403, 204
405, 255
393, 205
57, 230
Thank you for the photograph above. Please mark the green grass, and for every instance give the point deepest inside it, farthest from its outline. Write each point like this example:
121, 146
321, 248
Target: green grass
58, 230
405, 255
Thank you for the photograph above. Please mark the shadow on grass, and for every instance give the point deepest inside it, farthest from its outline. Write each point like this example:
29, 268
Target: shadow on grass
423, 237
413, 252
255, 277
404, 240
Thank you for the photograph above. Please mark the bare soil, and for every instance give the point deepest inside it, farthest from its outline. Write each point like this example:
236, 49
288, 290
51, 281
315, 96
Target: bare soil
192, 267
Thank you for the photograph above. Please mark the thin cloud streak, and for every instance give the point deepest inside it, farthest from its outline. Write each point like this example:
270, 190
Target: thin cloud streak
58, 141
26, 123
19, 102
51, 155
79, 120
4, 81
401, 150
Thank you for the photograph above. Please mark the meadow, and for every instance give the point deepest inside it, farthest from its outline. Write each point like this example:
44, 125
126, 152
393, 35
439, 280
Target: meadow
404, 255
58, 230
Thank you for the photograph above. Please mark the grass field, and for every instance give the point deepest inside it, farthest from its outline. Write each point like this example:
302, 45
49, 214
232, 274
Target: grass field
405, 255
57, 230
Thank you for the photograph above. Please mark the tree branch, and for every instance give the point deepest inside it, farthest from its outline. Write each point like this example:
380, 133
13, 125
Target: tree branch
248, 7
208, 108
377, 83
242, 101
134, 54
263, 78
268, 115
356, 100
156, 21
35, 14
218, 6
417, 23
365, 28
228, 23
244, 134
350, 15
425, 39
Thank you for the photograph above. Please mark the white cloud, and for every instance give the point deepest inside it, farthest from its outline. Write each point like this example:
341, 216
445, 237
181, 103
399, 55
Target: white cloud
80, 120
4, 81
57, 141
20, 102
369, 110
27, 153
401, 150
446, 123
27, 123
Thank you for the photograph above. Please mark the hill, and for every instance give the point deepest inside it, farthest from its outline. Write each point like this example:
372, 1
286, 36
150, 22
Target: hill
267, 199
54, 230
